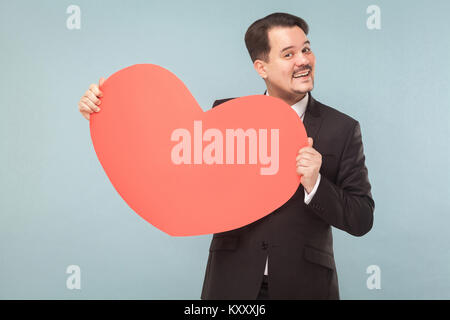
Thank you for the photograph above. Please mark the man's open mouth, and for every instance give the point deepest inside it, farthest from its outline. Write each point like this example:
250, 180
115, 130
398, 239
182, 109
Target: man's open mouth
301, 74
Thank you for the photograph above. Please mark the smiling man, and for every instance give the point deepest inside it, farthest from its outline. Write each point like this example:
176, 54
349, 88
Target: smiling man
288, 254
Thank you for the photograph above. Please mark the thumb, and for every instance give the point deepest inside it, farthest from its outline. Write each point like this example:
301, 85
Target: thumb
310, 142
101, 82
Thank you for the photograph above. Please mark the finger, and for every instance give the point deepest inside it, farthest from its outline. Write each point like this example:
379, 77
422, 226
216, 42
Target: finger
308, 156
95, 89
91, 96
84, 110
310, 141
301, 171
307, 150
86, 115
83, 107
304, 163
90, 104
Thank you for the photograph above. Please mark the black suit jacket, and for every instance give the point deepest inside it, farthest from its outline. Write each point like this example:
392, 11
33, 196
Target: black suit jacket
297, 237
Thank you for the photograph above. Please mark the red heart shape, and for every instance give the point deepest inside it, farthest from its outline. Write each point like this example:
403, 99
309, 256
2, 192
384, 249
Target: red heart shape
144, 104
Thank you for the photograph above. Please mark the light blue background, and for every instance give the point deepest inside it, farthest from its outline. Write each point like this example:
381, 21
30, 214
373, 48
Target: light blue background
58, 208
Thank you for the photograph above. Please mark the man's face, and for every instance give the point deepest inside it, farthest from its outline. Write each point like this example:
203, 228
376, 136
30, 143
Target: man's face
290, 69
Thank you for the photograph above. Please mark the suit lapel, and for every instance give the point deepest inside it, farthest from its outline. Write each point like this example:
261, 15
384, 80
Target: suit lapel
312, 119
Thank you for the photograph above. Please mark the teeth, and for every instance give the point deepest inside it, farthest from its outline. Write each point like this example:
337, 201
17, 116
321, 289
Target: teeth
301, 74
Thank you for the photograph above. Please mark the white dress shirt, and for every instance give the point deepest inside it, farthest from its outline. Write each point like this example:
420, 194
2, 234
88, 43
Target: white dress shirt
300, 108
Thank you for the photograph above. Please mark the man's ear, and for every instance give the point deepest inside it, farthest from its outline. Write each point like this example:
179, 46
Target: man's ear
260, 67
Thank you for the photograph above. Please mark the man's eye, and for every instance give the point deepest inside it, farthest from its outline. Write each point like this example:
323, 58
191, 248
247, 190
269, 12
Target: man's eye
306, 50
288, 55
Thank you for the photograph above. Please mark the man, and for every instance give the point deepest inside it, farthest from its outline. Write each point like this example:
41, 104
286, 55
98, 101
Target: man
288, 254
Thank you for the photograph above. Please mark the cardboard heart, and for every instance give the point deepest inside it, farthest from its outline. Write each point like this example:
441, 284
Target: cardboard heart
143, 106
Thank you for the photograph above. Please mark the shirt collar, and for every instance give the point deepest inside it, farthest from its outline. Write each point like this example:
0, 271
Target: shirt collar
300, 106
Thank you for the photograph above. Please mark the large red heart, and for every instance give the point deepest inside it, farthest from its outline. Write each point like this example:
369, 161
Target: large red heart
143, 104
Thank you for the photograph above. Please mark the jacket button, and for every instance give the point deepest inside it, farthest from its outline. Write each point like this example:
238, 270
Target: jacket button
264, 245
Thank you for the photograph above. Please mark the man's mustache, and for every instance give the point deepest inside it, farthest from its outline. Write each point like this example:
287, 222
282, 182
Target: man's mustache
303, 68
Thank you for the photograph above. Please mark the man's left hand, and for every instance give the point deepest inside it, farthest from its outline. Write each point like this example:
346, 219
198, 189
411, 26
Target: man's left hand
309, 162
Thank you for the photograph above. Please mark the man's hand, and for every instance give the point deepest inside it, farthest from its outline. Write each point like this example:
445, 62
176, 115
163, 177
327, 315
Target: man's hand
309, 162
90, 101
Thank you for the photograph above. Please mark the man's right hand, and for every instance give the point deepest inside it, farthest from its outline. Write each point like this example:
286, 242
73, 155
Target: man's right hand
90, 101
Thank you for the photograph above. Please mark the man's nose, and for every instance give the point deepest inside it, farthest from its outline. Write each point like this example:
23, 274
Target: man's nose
301, 59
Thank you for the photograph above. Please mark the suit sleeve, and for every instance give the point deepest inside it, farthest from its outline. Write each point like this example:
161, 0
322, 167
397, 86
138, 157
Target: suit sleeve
348, 204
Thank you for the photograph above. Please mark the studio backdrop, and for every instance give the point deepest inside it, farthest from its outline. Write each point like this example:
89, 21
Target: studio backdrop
384, 63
